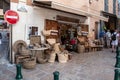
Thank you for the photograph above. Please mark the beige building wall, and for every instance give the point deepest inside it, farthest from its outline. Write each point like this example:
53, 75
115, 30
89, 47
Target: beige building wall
95, 7
110, 5
117, 8
79, 4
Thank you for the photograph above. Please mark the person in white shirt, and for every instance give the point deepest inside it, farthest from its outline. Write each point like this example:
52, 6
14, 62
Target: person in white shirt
115, 42
108, 38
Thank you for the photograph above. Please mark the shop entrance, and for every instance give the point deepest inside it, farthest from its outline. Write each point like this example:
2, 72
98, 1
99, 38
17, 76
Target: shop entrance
68, 36
67, 33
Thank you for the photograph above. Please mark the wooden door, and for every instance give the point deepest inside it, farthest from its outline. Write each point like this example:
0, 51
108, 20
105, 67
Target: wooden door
51, 25
96, 30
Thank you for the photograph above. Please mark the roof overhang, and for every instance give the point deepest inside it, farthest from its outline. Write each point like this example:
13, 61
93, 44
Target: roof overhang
108, 14
68, 9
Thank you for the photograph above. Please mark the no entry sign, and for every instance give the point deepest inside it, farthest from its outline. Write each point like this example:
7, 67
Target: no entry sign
11, 17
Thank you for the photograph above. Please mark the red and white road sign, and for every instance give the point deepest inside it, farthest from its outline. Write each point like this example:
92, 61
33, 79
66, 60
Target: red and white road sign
11, 17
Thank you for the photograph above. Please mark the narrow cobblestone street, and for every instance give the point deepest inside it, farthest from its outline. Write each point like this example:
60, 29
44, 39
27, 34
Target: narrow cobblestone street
86, 66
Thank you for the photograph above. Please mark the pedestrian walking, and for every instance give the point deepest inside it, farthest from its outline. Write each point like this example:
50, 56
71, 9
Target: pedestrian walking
108, 38
102, 37
115, 38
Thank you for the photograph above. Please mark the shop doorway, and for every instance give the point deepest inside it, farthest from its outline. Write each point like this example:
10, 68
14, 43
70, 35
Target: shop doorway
66, 33
96, 30
68, 36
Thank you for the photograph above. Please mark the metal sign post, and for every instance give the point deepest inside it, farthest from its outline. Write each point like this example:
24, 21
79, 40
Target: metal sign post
11, 17
10, 44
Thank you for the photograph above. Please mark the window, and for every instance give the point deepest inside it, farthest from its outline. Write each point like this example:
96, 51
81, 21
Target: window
106, 5
32, 31
114, 6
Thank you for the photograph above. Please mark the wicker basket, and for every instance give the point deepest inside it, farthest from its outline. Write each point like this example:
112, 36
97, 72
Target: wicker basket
17, 45
62, 57
24, 52
29, 63
51, 41
35, 39
52, 57
81, 48
46, 32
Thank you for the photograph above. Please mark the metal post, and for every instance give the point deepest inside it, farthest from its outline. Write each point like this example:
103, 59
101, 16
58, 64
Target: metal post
10, 45
117, 74
117, 65
56, 75
117, 51
18, 72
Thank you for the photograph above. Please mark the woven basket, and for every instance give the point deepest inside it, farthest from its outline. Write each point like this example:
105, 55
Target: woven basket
35, 39
56, 47
62, 57
52, 57
81, 48
51, 41
29, 63
24, 52
41, 60
46, 32
17, 44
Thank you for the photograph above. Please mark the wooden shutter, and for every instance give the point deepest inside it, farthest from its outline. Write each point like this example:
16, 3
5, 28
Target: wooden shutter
51, 25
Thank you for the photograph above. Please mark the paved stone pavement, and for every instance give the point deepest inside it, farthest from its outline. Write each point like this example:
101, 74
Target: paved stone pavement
86, 66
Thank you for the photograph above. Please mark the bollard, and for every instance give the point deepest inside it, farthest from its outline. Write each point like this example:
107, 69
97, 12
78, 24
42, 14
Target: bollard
18, 72
117, 65
117, 51
56, 75
117, 74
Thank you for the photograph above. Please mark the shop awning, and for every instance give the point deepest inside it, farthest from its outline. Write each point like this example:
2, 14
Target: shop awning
61, 7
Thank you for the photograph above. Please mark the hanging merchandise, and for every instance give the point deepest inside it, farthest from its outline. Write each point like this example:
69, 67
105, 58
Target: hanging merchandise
46, 32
